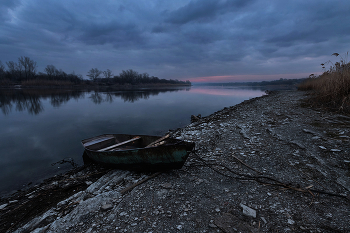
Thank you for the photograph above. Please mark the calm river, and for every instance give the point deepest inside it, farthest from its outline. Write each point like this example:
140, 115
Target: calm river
42, 127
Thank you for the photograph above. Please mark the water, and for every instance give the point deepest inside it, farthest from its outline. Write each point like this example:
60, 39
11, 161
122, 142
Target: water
41, 127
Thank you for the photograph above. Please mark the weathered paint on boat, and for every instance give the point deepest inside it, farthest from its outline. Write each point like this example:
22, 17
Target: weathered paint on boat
134, 156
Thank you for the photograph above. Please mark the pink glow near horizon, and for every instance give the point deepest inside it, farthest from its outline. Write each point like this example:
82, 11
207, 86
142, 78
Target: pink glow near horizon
248, 78
226, 92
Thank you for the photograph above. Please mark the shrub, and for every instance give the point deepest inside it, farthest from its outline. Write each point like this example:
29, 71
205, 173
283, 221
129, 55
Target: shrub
38, 82
332, 88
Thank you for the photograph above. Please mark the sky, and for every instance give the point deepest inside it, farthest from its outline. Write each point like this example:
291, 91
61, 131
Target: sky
196, 40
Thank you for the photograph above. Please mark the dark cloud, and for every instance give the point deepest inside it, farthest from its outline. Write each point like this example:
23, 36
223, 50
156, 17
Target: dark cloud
5, 7
176, 38
159, 29
314, 23
203, 10
113, 33
296, 37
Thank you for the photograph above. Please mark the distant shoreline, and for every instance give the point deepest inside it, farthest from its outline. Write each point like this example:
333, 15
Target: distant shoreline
84, 87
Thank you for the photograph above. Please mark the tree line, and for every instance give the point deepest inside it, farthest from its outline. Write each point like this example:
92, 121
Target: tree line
279, 82
130, 77
25, 71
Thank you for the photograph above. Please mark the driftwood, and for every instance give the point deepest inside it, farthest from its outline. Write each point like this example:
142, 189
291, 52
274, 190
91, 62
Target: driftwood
266, 180
138, 183
246, 164
195, 118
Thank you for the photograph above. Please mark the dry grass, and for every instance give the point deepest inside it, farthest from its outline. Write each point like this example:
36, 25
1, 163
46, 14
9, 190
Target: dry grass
38, 82
5, 82
332, 88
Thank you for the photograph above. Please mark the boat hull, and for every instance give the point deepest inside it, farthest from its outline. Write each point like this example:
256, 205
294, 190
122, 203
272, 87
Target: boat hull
171, 155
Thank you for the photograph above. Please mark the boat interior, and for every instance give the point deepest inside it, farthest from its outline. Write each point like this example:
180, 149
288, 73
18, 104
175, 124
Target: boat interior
112, 142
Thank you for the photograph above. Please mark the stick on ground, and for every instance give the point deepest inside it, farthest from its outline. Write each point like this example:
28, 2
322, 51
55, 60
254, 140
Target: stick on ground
138, 183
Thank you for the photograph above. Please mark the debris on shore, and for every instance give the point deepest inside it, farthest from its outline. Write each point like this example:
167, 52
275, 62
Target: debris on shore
268, 164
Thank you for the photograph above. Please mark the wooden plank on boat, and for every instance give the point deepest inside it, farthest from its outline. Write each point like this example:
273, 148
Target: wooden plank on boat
157, 141
120, 144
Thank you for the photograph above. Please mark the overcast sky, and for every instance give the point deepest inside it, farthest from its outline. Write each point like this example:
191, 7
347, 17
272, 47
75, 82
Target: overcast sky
196, 40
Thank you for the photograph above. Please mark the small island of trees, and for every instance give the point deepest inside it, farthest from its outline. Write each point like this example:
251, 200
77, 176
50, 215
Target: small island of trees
24, 73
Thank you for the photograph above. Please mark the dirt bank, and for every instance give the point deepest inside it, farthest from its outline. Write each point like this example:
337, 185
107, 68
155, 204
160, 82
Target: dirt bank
265, 165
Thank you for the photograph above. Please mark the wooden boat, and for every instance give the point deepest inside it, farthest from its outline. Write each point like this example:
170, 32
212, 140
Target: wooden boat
137, 152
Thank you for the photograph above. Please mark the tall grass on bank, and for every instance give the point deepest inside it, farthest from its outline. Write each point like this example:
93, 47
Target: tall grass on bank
332, 88
54, 83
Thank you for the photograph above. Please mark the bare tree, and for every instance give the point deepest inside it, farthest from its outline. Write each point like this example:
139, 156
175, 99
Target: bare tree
2, 70
13, 70
61, 74
51, 71
94, 74
129, 76
28, 66
108, 74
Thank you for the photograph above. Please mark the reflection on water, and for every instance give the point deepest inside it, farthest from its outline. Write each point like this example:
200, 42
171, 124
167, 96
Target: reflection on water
41, 127
31, 99
227, 91
130, 96
20, 103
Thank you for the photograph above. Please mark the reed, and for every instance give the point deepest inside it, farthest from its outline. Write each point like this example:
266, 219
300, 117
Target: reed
332, 88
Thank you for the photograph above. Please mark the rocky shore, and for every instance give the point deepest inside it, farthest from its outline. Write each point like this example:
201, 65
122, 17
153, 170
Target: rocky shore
269, 164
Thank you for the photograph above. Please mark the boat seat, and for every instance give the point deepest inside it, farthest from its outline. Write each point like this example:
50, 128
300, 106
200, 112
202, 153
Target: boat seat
119, 144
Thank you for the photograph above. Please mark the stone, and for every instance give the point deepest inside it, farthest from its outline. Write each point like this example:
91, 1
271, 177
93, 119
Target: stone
290, 221
309, 131
166, 185
301, 146
88, 183
344, 181
199, 181
335, 150
195, 118
123, 214
248, 211
106, 207
3, 206
231, 224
